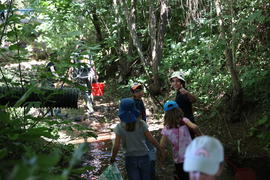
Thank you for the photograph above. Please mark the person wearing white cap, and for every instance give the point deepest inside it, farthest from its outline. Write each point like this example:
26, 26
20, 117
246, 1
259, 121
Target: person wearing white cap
204, 158
183, 98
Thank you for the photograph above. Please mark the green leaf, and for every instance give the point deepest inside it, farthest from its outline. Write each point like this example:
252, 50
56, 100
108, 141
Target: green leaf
4, 116
77, 154
2, 7
25, 96
11, 34
51, 160
13, 137
14, 47
3, 153
36, 133
20, 171
263, 120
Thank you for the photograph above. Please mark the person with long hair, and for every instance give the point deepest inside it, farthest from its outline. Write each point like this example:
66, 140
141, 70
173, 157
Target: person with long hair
176, 131
132, 133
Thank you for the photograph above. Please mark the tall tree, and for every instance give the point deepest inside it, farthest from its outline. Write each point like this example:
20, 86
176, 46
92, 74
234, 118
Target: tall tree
157, 31
131, 22
230, 63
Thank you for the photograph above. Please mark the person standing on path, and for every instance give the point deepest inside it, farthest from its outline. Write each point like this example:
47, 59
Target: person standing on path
137, 94
132, 133
84, 74
176, 131
183, 98
204, 158
137, 91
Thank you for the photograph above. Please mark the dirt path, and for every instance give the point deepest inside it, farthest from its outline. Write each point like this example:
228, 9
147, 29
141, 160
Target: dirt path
104, 119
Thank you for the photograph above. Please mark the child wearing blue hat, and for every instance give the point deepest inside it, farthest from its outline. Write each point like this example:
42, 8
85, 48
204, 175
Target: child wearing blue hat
176, 131
132, 133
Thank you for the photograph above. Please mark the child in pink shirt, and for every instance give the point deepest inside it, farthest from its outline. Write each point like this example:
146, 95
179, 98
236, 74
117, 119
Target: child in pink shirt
176, 131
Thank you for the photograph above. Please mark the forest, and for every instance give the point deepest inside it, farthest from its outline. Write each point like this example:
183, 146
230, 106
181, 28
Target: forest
222, 47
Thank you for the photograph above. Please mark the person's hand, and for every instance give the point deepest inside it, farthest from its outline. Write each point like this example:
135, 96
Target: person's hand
183, 91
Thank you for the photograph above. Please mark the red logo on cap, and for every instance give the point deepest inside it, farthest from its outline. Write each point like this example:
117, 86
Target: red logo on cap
202, 152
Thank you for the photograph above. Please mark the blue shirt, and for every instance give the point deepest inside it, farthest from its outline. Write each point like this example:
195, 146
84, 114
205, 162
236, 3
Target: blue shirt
140, 106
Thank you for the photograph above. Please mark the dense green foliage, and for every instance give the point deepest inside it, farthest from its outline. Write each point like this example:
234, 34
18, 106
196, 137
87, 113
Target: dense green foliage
56, 29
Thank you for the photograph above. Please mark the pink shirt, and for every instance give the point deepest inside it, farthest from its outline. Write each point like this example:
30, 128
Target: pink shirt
180, 139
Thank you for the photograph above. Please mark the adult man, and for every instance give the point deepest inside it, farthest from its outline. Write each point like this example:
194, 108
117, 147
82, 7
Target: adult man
204, 158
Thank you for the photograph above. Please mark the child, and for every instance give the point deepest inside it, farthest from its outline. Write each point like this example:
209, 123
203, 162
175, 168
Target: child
176, 131
204, 158
133, 133
137, 93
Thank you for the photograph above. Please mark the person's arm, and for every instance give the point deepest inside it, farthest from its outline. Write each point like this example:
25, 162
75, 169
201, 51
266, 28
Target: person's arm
150, 138
116, 147
190, 96
163, 143
195, 128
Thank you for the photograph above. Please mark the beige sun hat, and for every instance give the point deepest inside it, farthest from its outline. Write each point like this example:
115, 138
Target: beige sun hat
178, 74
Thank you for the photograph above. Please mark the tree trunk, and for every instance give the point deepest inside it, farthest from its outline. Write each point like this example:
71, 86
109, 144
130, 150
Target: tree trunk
131, 17
124, 65
96, 22
157, 33
237, 90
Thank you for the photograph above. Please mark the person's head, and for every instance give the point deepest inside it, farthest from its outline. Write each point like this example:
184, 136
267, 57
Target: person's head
177, 80
173, 114
128, 113
137, 91
204, 158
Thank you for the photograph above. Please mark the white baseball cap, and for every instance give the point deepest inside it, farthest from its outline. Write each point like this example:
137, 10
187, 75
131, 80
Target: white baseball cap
204, 154
178, 74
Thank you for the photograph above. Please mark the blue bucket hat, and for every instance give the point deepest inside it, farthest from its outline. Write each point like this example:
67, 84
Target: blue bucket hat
169, 105
127, 110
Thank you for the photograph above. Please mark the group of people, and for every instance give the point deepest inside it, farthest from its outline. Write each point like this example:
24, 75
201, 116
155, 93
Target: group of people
196, 156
